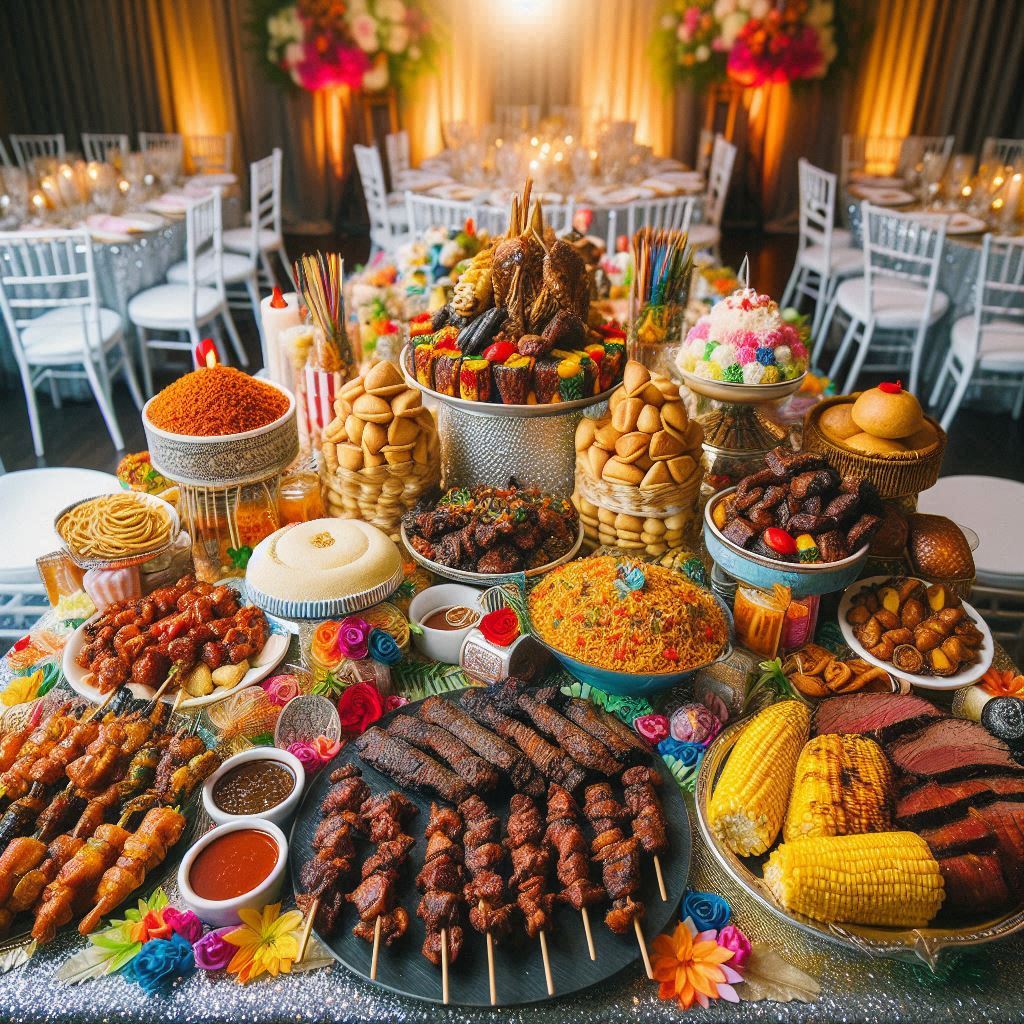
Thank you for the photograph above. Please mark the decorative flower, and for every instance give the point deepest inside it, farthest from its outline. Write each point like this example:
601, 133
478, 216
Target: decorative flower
184, 923
394, 701
690, 966
689, 754
382, 647
281, 689
653, 728
353, 637
267, 942
732, 938
376, 77
160, 962
151, 926
997, 682
307, 755
694, 723
500, 627
629, 580
359, 707
705, 909
364, 32
324, 644
22, 689
326, 749
213, 952
629, 709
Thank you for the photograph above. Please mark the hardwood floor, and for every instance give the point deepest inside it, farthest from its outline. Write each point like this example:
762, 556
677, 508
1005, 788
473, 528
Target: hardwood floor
980, 442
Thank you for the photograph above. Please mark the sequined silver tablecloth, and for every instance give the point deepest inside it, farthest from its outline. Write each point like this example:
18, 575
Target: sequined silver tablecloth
981, 987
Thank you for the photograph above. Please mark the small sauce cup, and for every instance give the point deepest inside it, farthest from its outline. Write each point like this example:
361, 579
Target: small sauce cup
281, 813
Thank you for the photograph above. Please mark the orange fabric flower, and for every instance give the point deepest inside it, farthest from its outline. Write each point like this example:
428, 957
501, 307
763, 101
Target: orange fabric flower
324, 644
1002, 683
691, 966
152, 926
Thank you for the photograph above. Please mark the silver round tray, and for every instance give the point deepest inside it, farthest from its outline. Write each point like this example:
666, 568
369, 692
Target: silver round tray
909, 944
744, 394
483, 579
127, 561
499, 408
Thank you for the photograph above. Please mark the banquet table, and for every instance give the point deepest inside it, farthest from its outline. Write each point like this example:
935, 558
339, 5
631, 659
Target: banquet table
976, 986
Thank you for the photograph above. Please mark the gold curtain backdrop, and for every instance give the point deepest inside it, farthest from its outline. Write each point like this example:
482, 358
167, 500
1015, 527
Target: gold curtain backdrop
925, 66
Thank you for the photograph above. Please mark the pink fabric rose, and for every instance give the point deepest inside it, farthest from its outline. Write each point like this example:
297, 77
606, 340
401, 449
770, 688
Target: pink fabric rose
307, 755
280, 689
212, 952
394, 701
653, 728
353, 638
730, 937
184, 923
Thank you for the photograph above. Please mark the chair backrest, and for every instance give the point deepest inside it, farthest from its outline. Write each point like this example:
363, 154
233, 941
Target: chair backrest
204, 247
905, 247
723, 156
166, 142
429, 212
705, 144
47, 270
674, 212
917, 149
210, 154
5, 160
98, 145
869, 154
817, 207
396, 145
1005, 152
999, 293
28, 147
265, 197
371, 175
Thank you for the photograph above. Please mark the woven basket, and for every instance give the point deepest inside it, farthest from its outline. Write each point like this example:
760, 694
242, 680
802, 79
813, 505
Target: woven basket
896, 476
653, 520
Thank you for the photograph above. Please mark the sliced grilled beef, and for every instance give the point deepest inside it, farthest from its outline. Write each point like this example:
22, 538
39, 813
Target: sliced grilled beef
881, 715
1007, 821
951, 748
935, 803
971, 834
974, 884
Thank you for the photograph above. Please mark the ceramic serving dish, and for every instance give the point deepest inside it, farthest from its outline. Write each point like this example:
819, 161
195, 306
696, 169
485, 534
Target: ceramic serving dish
803, 579
724, 391
281, 813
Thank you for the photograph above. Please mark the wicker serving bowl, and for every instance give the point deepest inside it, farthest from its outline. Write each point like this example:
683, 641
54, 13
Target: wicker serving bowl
895, 476
226, 460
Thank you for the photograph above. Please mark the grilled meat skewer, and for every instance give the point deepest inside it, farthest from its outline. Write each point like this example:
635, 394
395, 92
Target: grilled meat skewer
409, 767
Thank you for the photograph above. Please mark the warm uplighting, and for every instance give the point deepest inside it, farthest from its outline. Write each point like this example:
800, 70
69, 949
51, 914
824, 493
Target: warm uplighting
546, 147
498, 143
558, 157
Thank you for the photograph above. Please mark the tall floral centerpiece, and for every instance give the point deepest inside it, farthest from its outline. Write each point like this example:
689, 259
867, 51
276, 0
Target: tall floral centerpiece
367, 45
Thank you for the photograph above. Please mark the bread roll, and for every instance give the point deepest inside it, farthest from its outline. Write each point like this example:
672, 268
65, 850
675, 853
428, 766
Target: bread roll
649, 420
888, 411
372, 408
635, 377
631, 447
618, 472
625, 417
585, 433
869, 444
837, 422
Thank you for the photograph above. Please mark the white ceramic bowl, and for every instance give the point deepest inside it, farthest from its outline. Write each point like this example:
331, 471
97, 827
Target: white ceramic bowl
220, 913
442, 644
281, 813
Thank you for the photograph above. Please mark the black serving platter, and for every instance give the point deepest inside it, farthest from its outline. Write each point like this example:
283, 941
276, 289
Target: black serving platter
519, 969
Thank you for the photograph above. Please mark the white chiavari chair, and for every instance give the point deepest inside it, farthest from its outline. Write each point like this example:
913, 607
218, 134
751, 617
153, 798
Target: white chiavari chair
5, 160
184, 307
672, 212
1004, 152
821, 259
29, 147
210, 154
386, 223
708, 233
265, 213
100, 146
987, 347
170, 143
423, 212
705, 144
897, 298
58, 329
916, 148
396, 145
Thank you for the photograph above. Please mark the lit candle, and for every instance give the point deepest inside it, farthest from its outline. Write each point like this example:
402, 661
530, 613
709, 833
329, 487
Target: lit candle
39, 201
277, 313
966, 191
1013, 190
125, 186
535, 141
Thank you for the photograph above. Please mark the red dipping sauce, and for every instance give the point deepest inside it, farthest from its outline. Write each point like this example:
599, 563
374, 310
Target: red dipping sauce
233, 864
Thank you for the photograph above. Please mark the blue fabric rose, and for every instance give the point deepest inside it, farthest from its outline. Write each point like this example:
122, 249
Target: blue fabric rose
689, 754
383, 647
708, 911
160, 962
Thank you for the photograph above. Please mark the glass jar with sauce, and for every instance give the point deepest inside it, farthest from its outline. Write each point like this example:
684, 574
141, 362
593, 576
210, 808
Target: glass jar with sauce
299, 498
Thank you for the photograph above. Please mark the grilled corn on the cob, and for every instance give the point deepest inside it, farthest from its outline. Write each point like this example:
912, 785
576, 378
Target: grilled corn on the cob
842, 788
749, 801
885, 878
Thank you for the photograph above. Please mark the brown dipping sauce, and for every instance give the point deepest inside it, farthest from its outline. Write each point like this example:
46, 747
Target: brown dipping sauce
233, 864
464, 617
253, 787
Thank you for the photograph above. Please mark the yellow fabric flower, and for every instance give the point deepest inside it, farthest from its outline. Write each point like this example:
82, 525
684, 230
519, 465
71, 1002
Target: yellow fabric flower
690, 966
22, 689
268, 942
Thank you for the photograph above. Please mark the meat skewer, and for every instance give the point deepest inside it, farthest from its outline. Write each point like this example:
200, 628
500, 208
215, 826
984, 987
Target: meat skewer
374, 897
565, 837
489, 913
404, 764
440, 880
578, 744
619, 858
622, 742
530, 863
649, 825
432, 739
323, 876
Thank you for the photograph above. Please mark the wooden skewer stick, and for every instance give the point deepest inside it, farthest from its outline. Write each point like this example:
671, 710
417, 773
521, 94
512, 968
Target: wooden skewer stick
661, 879
590, 937
444, 966
155, 699
643, 948
307, 929
376, 949
102, 706
547, 962
490, 962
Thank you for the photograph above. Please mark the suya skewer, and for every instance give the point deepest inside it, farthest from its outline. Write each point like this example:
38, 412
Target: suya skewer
649, 825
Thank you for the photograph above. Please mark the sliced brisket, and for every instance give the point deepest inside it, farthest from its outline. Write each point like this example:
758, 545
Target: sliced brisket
974, 885
1007, 821
935, 803
971, 834
951, 748
881, 715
